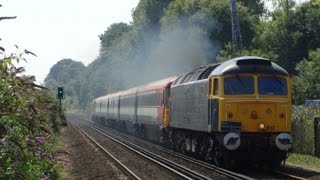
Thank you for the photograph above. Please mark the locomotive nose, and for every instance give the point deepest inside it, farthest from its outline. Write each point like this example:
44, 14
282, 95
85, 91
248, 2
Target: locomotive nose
284, 141
231, 141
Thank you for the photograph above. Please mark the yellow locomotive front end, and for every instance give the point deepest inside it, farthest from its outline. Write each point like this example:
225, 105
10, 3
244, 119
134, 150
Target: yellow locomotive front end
261, 103
251, 110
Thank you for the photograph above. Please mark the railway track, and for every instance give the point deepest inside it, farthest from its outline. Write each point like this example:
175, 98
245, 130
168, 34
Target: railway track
169, 165
226, 173
288, 176
106, 152
186, 172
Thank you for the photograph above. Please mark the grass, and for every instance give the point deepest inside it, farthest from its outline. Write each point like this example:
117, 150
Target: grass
304, 160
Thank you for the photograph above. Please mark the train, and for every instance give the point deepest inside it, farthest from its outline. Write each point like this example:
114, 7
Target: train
229, 113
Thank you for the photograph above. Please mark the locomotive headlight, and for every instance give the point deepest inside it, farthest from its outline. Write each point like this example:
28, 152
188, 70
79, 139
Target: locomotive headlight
261, 126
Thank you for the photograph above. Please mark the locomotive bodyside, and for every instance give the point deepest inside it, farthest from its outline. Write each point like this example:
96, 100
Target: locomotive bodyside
189, 106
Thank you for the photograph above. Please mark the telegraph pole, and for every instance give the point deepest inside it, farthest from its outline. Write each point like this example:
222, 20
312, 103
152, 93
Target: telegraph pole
236, 36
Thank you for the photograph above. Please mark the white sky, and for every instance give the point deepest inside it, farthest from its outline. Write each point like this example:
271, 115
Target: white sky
57, 29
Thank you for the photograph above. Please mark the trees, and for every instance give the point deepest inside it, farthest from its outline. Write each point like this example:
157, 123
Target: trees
112, 35
304, 28
214, 17
171, 37
306, 85
290, 33
66, 73
65, 70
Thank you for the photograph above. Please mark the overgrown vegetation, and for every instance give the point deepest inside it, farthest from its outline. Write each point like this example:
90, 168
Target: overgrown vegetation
28, 120
304, 160
303, 129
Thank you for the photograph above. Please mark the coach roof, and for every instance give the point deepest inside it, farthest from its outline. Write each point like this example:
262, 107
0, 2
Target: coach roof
248, 64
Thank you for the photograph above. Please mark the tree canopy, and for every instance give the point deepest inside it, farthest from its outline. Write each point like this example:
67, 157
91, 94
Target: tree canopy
170, 37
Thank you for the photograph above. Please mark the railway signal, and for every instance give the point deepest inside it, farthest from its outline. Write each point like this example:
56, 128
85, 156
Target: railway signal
60, 92
60, 96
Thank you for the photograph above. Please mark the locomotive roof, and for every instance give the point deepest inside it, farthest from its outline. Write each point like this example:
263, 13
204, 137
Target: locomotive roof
244, 64
248, 64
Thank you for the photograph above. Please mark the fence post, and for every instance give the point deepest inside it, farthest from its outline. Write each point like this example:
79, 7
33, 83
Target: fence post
317, 136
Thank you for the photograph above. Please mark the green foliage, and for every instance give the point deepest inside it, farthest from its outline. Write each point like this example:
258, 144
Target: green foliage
290, 33
66, 73
227, 53
304, 160
148, 13
26, 143
306, 85
129, 53
255, 7
218, 10
111, 36
303, 129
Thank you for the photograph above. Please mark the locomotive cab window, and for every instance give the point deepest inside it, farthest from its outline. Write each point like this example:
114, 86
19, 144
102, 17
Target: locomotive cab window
216, 87
272, 85
238, 85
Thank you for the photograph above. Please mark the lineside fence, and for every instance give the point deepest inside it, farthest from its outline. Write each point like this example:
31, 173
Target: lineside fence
306, 130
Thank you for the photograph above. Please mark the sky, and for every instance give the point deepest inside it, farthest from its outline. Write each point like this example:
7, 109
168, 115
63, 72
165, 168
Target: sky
58, 29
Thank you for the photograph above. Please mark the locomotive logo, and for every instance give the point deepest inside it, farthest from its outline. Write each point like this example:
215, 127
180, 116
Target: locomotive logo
231, 141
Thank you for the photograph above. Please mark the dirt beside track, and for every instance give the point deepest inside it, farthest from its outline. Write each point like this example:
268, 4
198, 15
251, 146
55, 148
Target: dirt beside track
83, 160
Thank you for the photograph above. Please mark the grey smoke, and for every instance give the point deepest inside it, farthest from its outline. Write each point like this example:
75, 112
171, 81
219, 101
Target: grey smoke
180, 47
184, 46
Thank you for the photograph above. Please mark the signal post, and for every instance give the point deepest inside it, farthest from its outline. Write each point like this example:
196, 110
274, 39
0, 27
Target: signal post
60, 97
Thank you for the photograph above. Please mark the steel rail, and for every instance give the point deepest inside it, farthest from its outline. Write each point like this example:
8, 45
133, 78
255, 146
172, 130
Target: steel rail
219, 170
289, 175
208, 166
125, 168
170, 165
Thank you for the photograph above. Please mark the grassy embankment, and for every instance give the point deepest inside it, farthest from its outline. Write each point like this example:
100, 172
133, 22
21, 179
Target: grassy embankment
304, 160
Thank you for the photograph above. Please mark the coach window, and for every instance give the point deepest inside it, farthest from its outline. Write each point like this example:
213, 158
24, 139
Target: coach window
216, 87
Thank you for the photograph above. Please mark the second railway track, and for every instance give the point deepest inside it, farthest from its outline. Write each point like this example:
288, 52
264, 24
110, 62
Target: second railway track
213, 172
184, 172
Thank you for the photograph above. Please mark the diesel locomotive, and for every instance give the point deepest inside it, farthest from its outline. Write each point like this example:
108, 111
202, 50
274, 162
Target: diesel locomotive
237, 111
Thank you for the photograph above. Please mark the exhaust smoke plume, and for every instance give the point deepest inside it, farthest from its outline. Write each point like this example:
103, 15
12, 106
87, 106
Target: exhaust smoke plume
180, 47
183, 46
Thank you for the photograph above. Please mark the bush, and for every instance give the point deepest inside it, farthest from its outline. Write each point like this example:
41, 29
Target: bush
303, 129
26, 141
